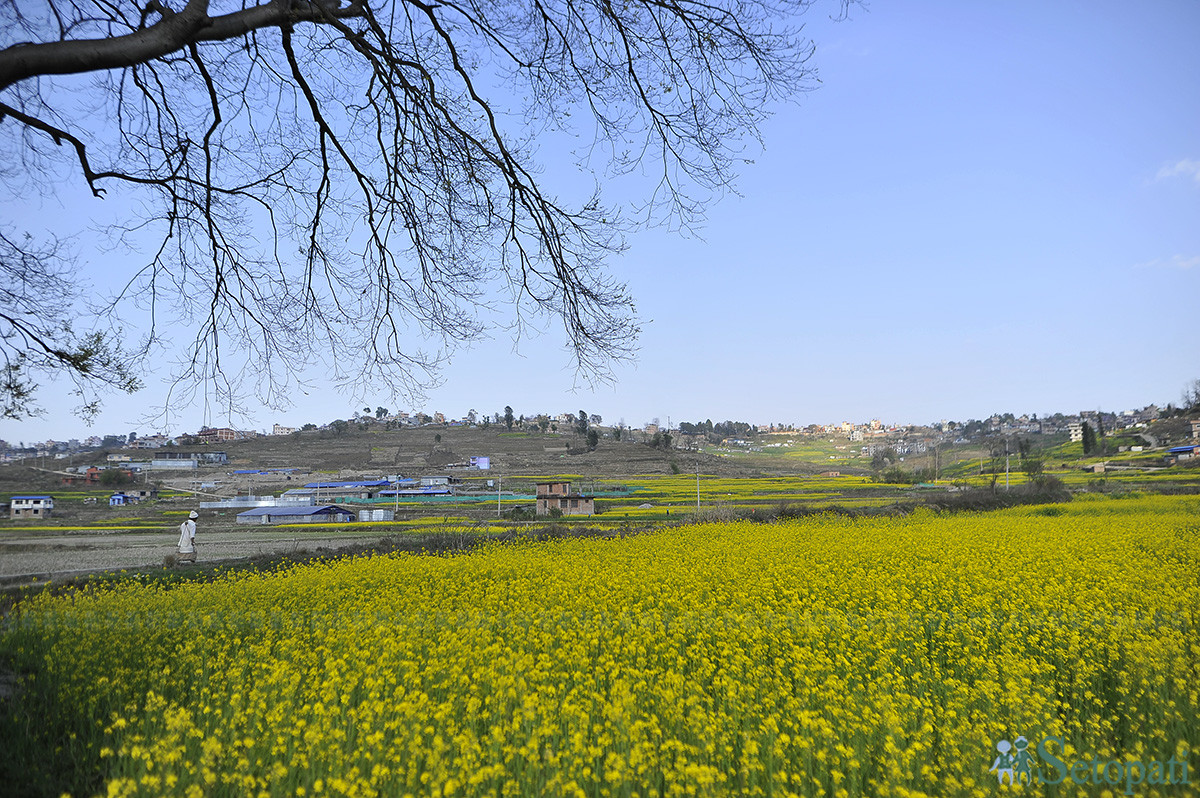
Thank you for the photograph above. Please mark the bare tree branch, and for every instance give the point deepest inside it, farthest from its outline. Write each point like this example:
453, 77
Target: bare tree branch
354, 183
172, 33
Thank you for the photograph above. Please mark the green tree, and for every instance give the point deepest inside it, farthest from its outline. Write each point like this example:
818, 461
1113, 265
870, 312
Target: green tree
1089, 438
883, 458
581, 423
111, 477
1031, 463
593, 439
508, 417
897, 476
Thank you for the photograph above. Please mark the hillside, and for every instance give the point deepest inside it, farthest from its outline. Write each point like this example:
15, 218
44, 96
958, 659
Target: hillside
417, 451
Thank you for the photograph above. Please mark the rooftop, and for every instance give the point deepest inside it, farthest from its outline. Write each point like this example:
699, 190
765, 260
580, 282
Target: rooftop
325, 509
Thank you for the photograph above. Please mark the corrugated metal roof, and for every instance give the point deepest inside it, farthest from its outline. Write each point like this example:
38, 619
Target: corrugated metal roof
376, 483
327, 509
429, 491
14, 498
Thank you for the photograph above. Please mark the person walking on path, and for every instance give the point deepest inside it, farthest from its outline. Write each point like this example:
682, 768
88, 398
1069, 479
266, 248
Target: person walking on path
187, 538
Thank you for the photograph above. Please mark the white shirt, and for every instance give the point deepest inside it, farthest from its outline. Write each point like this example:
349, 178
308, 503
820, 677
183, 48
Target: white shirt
187, 536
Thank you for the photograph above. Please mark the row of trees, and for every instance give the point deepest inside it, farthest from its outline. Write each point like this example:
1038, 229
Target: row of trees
585, 425
1189, 402
716, 433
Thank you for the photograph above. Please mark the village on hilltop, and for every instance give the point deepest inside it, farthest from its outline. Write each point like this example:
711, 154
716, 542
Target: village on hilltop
135, 468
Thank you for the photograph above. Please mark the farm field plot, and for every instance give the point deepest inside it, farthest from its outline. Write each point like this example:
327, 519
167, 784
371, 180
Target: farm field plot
623, 497
821, 656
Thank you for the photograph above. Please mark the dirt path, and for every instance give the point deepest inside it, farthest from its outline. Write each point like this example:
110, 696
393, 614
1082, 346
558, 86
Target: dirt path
42, 556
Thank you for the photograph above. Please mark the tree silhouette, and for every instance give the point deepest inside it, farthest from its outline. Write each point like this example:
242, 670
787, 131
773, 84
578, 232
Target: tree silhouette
354, 182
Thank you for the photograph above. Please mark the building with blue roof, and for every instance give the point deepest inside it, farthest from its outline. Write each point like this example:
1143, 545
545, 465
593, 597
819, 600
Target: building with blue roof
329, 513
1178, 453
425, 490
352, 489
31, 507
354, 483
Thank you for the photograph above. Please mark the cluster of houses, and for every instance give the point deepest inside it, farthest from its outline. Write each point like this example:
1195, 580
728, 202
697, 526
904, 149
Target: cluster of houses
321, 502
857, 432
1006, 424
42, 506
123, 498
303, 505
162, 461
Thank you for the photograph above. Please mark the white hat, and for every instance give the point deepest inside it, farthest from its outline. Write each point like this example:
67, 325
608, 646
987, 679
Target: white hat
193, 514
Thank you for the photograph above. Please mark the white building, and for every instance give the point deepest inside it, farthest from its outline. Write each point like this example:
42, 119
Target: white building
32, 506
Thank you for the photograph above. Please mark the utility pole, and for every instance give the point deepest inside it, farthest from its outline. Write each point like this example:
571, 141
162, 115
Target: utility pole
499, 481
697, 488
1006, 463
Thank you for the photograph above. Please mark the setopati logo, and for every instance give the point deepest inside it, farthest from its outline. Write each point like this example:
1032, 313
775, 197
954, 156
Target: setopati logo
1016, 763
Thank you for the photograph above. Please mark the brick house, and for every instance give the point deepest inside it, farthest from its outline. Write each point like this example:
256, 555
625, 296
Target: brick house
221, 434
558, 496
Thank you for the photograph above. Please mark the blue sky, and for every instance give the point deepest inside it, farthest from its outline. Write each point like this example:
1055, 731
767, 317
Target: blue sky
984, 208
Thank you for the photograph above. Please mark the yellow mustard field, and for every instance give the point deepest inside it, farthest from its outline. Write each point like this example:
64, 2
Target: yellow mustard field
821, 657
